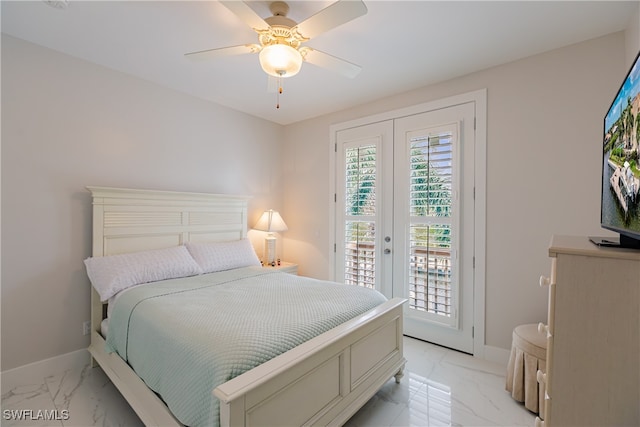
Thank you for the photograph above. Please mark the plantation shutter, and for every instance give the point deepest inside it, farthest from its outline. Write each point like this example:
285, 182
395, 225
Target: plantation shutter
432, 214
360, 215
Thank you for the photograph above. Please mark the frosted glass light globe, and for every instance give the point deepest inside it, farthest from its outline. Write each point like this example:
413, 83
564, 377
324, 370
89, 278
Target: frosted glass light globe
280, 60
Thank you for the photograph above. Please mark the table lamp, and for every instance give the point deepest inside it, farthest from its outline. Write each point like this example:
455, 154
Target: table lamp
271, 222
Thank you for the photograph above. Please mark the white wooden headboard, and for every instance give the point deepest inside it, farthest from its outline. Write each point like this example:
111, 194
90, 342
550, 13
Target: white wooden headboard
128, 220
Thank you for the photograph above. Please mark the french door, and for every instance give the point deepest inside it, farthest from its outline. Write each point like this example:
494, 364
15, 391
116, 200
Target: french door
364, 198
405, 218
433, 227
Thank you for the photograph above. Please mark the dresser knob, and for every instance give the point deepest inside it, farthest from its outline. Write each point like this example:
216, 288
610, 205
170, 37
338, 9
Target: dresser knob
544, 281
541, 377
542, 328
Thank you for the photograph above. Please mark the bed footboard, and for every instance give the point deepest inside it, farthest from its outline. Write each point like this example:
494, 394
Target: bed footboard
323, 381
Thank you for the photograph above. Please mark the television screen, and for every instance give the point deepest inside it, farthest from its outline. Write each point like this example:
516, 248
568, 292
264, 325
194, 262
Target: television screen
620, 202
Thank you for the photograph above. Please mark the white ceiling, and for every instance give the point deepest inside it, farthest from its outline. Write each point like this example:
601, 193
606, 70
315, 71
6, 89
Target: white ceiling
401, 45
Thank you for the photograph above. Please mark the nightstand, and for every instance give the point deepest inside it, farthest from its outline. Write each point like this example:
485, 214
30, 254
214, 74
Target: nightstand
286, 267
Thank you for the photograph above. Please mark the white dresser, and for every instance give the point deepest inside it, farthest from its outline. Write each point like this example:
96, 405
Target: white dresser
593, 347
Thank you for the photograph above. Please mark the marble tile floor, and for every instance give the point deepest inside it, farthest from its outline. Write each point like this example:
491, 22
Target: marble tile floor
440, 387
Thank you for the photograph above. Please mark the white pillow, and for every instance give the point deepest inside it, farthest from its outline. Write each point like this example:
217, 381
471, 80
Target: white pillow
218, 256
112, 274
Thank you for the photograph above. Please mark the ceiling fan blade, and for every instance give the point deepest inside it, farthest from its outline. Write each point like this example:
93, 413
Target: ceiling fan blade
248, 15
334, 15
330, 62
203, 55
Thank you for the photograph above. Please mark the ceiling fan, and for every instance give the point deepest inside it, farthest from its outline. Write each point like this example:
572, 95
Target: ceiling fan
280, 39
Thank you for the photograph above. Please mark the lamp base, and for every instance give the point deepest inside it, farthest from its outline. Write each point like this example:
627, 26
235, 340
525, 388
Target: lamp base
269, 254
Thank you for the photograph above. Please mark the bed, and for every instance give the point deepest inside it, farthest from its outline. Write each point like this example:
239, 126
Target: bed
322, 381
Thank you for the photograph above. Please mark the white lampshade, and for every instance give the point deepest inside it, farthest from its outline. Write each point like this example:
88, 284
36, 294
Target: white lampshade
271, 222
280, 60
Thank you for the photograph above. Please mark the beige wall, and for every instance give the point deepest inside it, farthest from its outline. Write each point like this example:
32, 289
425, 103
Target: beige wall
67, 124
544, 126
632, 36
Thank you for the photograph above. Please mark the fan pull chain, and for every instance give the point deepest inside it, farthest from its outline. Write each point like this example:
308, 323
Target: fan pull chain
279, 92
281, 73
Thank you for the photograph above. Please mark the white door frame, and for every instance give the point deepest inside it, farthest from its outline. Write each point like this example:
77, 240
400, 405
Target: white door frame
479, 97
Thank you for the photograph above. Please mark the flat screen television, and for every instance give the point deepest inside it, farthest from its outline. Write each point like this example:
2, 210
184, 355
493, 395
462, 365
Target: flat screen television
620, 191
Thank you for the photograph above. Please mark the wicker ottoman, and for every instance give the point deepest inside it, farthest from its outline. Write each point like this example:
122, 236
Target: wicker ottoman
528, 355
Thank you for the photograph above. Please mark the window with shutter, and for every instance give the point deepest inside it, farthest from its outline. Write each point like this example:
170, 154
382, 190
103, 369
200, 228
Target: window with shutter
360, 195
430, 231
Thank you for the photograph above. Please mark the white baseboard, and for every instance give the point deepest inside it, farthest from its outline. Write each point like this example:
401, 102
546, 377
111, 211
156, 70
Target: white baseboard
34, 373
496, 354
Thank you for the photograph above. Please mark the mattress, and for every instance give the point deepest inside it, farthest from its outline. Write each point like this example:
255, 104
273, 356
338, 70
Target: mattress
104, 327
184, 337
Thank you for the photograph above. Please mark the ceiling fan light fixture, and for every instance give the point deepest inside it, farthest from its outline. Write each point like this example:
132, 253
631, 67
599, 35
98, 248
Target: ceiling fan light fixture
280, 60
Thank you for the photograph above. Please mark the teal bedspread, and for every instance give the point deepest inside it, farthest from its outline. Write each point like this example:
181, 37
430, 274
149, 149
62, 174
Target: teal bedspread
184, 337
